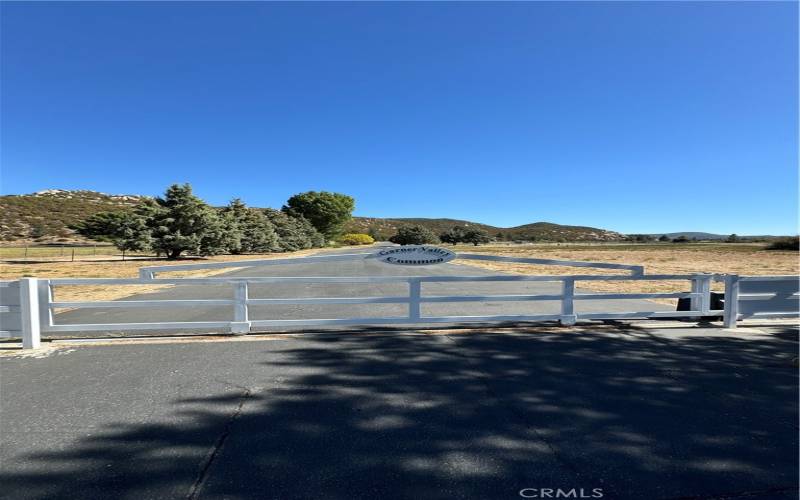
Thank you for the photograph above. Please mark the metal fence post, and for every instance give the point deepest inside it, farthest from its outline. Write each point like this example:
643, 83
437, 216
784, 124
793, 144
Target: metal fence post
704, 288
29, 307
414, 294
45, 298
731, 314
241, 323
695, 301
568, 316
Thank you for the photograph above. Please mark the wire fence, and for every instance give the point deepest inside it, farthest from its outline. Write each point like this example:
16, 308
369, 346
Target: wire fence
63, 253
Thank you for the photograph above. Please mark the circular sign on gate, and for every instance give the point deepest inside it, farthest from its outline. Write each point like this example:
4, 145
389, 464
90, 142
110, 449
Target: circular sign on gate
415, 255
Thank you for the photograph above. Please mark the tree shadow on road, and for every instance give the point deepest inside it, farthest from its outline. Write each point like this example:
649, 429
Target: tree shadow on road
465, 416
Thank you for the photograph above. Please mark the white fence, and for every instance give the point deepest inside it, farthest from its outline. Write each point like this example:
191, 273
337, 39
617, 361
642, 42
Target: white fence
19, 311
760, 297
35, 305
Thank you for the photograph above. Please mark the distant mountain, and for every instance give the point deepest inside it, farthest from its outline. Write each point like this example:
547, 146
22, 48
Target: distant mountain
713, 237
45, 217
537, 231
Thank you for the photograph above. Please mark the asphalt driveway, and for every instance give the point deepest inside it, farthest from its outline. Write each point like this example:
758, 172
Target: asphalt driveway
637, 413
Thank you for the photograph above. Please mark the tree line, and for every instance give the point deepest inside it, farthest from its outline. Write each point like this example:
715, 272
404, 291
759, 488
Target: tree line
421, 235
181, 223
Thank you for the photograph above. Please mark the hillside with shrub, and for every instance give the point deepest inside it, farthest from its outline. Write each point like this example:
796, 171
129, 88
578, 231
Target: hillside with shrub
383, 229
47, 217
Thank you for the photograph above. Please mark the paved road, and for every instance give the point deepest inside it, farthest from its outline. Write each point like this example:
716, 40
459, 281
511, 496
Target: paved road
642, 414
350, 268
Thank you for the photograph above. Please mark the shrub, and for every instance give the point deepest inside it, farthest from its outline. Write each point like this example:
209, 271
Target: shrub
453, 236
356, 239
476, 237
414, 235
785, 244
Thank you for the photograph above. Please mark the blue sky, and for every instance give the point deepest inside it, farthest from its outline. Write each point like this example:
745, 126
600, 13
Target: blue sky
637, 117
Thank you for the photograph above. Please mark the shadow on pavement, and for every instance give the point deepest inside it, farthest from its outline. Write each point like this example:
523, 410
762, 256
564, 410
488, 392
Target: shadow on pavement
468, 416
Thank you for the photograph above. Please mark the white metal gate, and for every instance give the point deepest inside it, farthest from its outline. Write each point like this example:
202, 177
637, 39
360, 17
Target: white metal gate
36, 304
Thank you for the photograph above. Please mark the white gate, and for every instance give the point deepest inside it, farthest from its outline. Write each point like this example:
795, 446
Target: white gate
37, 304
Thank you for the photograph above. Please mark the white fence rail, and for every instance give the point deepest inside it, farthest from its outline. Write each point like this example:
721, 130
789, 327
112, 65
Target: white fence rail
241, 301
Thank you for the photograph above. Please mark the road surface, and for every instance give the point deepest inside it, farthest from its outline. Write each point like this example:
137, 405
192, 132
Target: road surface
639, 414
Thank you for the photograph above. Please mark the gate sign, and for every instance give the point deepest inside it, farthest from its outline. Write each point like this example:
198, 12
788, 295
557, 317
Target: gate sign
415, 255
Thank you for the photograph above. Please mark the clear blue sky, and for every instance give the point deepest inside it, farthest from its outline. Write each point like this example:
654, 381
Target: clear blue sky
637, 117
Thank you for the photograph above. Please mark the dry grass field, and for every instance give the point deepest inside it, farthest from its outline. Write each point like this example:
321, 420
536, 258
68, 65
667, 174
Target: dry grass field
667, 258
115, 268
58, 252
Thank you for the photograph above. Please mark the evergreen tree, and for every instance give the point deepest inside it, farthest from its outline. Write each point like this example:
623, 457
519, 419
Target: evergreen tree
182, 222
294, 233
256, 232
128, 231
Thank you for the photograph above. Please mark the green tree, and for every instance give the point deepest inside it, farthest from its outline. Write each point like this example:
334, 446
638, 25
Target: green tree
663, 237
256, 233
221, 235
453, 236
294, 233
414, 235
181, 222
128, 231
788, 243
734, 238
476, 236
327, 212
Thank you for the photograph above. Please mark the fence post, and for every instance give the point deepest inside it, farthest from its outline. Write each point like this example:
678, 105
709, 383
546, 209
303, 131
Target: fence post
568, 316
241, 323
414, 294
29, 308
705, 291
45, 298
731, 314
695, 301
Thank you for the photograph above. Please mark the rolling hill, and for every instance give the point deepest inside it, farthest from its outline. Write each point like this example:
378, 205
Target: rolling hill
537, 231
45, 217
